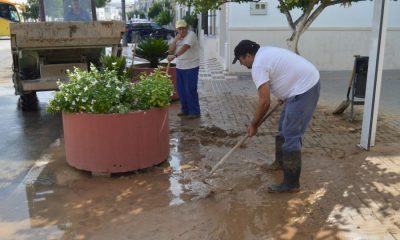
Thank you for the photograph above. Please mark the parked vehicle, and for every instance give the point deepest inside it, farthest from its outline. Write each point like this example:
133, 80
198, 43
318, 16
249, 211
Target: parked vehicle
138, 30
43, 51
10, 11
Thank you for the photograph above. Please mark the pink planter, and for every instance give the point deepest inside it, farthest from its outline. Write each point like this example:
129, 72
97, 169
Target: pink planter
138, 69
112, 143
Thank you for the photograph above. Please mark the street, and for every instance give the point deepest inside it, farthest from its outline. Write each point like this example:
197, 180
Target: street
26, 136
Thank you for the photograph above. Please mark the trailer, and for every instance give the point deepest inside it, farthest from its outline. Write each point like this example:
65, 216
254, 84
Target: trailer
43, 51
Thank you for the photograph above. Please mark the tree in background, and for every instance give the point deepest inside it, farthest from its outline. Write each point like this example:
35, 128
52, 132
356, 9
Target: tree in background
311, 9
135, 14
130, 14
165, 17
32, 10
161, 12
192, 20
101, 3
155, 9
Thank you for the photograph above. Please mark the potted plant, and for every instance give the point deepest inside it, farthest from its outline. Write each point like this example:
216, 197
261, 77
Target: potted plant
153, 50
111, 124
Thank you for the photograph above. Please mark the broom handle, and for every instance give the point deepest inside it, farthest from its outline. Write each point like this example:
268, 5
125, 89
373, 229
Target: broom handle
242, 140
351, 78
168, 65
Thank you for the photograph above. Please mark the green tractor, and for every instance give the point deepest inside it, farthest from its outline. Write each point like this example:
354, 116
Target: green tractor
67, 36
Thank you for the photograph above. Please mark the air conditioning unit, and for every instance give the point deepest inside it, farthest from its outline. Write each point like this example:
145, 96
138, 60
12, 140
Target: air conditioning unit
258, 8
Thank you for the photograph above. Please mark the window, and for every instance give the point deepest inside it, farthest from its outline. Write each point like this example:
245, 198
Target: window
155, 26
9, 12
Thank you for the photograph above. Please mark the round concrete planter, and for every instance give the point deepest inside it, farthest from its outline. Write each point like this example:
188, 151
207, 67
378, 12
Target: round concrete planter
145, 68
112, 143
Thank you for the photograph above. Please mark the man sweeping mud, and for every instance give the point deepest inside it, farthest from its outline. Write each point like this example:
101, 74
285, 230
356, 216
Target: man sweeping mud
293, 80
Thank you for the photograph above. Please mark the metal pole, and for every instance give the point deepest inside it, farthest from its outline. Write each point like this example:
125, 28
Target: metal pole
94, 14
124, 42
374, 77
42, 15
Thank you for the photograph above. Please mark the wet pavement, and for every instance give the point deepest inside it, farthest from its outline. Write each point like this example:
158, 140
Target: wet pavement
347, 193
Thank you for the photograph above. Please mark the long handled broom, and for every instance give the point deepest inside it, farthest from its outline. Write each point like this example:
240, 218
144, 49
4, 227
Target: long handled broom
241, 141
345, 104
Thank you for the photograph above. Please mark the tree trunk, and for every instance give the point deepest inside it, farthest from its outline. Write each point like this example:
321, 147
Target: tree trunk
293, 41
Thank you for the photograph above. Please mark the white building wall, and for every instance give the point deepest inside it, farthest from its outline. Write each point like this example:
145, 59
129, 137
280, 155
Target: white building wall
330, 43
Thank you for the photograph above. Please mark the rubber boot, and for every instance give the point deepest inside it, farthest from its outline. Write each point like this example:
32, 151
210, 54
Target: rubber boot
291, 174
277, 164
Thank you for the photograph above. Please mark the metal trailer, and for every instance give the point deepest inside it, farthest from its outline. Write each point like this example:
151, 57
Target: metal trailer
43, 51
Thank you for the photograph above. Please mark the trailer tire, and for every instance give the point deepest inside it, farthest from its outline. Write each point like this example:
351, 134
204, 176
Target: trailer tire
28, 102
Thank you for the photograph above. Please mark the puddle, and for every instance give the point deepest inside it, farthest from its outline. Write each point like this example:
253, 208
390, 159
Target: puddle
176, 187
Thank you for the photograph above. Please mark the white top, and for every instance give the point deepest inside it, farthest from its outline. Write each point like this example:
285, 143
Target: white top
191, 58
288, 74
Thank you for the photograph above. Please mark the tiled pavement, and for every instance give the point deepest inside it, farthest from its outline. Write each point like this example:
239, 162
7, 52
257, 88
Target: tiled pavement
228, 101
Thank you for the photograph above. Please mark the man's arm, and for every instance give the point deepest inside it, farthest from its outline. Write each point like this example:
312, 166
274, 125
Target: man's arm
172, 46
261, 110
179, 52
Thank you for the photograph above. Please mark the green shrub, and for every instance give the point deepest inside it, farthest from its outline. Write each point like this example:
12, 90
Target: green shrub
153, 90
106, 92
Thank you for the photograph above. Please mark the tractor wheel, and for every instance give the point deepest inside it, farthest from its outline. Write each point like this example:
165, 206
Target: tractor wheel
28, 102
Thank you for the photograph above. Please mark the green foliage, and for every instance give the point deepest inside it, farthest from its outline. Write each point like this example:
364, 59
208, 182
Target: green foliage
161, 12
94, 92
101, 3
154, 90
130, 14
32, 10
104, 92
142, 15
153, 50
117, 64
154, 10
192, 20
164, 18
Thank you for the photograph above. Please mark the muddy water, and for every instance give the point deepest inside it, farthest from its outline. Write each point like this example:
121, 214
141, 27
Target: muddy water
170, 201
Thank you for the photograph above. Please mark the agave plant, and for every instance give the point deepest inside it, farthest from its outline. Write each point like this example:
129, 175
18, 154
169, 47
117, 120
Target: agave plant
153, 50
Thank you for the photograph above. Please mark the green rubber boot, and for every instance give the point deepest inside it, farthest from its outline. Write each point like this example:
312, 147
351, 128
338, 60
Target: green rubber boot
291, 174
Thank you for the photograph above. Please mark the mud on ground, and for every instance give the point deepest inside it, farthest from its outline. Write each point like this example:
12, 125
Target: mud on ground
342, 197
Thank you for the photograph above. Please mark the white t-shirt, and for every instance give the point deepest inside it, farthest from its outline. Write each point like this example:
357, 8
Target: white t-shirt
288, 74
191, 58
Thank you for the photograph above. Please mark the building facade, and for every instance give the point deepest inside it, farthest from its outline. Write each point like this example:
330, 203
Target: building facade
335, 36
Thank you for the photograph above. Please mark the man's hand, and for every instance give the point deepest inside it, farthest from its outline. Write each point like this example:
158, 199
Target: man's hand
170, 58
178, 37
252, 130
